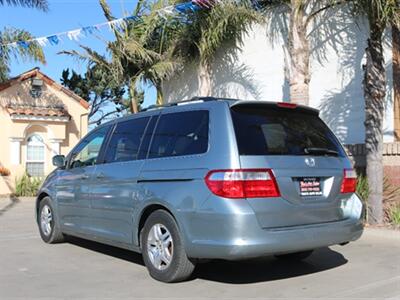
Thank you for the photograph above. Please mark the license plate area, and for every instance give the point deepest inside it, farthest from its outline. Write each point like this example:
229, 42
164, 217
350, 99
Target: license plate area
310, 186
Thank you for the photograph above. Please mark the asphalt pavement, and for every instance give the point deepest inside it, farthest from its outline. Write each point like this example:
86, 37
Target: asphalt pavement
30, 269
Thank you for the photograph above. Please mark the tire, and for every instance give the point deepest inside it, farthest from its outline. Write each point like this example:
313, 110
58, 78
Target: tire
297, 256
48, 223
166, 261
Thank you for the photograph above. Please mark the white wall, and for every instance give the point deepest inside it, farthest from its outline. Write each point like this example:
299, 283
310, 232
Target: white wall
257, 71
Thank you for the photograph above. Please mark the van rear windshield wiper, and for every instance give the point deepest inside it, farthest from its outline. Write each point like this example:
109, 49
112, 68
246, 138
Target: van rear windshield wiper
320, 151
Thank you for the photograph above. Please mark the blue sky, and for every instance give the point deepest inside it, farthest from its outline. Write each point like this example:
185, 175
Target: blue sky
64, 15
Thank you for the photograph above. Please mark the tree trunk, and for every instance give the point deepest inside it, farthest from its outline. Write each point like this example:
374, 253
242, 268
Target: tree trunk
133, 104
299, 53
204, 79
374, 93
160, 96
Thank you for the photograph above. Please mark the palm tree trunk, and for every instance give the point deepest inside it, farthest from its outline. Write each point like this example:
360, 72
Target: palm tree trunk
374, 93
299, 52
132, 104
160, 96
204, 79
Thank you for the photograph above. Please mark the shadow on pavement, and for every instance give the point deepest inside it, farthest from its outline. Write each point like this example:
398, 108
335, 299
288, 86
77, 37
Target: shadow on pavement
14, 201
127, 255
237, 272
269, 268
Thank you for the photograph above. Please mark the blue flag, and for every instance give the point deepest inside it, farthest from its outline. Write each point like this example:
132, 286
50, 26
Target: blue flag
23, 44
53, 39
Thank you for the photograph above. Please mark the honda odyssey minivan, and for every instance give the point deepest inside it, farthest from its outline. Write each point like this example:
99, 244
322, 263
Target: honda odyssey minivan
205, 179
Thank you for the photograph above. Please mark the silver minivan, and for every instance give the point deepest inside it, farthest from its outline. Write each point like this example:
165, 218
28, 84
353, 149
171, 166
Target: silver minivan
205, 179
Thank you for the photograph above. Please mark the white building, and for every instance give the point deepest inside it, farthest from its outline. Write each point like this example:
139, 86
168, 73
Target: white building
257, 71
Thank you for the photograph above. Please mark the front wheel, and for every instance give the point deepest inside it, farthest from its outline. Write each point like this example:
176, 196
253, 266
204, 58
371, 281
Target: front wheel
48, 224
162, 249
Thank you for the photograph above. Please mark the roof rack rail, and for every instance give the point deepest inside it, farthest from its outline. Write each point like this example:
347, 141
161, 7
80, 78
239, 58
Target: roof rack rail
193, 99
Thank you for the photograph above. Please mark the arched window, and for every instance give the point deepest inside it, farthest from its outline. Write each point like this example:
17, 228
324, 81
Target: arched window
35, 156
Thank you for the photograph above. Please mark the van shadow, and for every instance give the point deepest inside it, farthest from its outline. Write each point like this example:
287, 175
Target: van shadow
236, 272
120, 253
268, 268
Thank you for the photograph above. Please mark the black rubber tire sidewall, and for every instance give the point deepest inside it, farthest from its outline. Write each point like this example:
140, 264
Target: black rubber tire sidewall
181, 267
55, 235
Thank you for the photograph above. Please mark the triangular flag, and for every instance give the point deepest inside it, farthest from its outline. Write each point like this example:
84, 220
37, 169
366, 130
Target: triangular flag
88, 30
23, 44
53, 39
74, 34
42, 41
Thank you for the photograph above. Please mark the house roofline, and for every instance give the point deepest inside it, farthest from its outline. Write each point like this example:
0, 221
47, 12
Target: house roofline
35, 72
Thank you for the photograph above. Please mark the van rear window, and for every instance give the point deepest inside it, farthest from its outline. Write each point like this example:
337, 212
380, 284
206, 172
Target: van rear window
279, 131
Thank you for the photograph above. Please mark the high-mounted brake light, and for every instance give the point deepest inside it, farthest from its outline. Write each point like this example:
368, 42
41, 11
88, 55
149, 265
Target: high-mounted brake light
349, 182
286, 105
242, 183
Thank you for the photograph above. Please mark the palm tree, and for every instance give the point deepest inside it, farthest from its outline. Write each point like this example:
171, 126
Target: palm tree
301, 14
133, 59
32, 52
11, 35
380, 15
204, 32
39, 4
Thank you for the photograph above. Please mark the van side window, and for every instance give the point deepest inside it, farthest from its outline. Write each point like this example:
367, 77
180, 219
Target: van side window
182, 133
125, 141
86, 153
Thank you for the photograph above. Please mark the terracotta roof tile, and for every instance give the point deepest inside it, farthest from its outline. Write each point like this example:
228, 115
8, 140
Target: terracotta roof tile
38, 111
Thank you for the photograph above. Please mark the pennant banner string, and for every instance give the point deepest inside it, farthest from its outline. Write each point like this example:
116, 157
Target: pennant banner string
76, 34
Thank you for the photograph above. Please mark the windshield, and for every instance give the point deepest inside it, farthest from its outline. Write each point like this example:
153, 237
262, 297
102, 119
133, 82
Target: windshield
278, 131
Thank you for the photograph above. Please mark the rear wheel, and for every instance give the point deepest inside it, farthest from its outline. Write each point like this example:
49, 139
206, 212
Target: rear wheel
297, 256
162, 249
48, 224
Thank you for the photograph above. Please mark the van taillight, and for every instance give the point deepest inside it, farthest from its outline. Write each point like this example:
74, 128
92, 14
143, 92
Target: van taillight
242, 183
349, 182
287, 105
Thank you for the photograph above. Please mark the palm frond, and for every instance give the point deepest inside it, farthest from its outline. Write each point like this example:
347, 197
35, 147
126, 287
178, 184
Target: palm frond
32, 52
39, 4
106, 10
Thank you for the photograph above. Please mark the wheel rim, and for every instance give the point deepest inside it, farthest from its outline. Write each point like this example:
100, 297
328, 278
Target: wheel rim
160, 246
46, 218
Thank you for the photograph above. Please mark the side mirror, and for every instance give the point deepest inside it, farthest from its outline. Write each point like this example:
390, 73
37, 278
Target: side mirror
59, 161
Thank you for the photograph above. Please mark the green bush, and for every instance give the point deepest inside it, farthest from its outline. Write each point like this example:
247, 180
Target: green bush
26, 186
394, 215
391, 199
362, 191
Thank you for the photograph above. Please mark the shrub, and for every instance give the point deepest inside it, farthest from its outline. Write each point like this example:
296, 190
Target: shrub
391, 198
4, 171
391, 202
27, 186
363, 192
394, 215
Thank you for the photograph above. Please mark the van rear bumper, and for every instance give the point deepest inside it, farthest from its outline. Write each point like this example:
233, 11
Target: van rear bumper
272, 242
235, 237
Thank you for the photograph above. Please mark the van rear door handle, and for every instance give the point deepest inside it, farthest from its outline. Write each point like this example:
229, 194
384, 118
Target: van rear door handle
85, 176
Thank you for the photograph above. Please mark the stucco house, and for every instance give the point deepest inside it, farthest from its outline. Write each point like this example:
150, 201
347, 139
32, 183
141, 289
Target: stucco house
38, 119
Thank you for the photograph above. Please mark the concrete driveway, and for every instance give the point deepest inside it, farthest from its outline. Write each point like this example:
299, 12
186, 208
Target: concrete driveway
29, 268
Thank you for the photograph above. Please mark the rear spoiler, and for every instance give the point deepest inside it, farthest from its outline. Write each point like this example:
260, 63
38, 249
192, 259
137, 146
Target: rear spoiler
275, 105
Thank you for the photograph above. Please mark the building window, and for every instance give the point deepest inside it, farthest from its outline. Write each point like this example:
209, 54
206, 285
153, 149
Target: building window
35, 156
